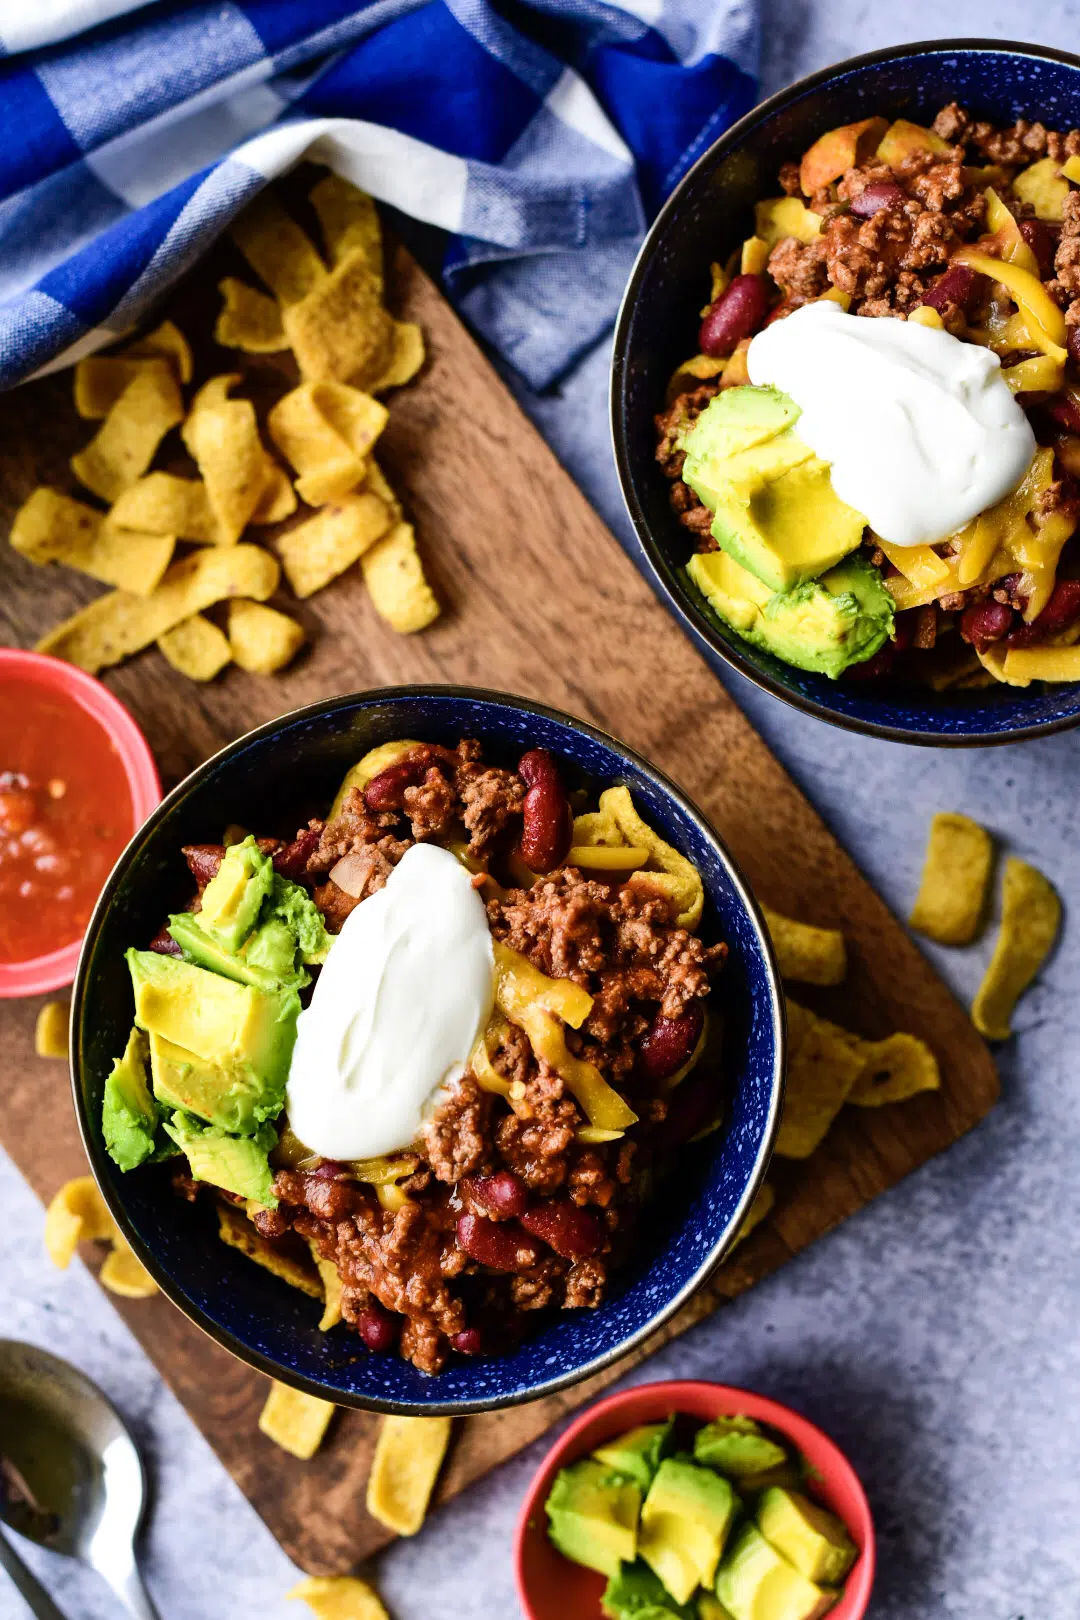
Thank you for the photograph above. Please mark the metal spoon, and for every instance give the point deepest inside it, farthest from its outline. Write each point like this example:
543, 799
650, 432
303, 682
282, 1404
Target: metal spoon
71, 1478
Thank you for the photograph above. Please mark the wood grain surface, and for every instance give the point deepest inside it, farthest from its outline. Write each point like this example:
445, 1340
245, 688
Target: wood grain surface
540, 600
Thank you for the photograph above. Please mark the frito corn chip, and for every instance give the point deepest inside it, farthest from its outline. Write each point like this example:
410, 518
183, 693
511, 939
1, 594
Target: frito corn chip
1026, 664
126, 441
319, 550
295, 1421
1030, 918
406, 358
326, 430
893, 1070
330, 1277
811, 955
222, 435
196, 648
823, 1066
278, 250
100, 379
408, 1455
262, 640
167, 340
340, 332
123, 1273
236, 1230
51, 1030
376, 483
249, 320
278, 499
162, 503
350, 223
119, 623
339, 1597
759, 1210
50, 527
77, 1214
671, 872
956, 876
394, 575
597, 829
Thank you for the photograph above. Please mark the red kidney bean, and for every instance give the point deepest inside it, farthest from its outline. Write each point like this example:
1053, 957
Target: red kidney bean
1041, 238
573, 1232
669, 1042
1064, 410
469, 1342
164, 944
501, 1245
547, 820
984, 622
873, 669
691, 1107
881, 194
203, 861
1072, 344
291, 859
1061, 611
377, 1328
736, 314
954, 286
330, 1170
503, 1195
387, 790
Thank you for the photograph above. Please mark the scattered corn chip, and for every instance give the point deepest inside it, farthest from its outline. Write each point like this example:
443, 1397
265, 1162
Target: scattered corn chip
671, 872
340, 332
196, 648
262, 640
408, 1455
759, 1210
278, 250
350, 223
50, 527
340, 1597
166, 340
51, 1030
893, 1070
319, 550
406, 358
77, 1214
956, 876
375, 482
123, 1273
295, 1421
278, 499
823, 1066
394, 575
222, 436
811, 955
249, 320
1030, 918
100, 379
236, 1230
161, 503
326, 430
126, 441
119, 623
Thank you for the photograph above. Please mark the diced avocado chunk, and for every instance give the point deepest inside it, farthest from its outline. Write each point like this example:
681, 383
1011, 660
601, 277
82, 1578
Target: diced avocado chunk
824, 625
129, 1115
709, 1607
233, 898
593, 1516
288, 932
734, 421
638, 1453
808, 1535
232, 1099
755, 1583
291, 904
635, 1593
685, 1519
238, 1164
737, 1447
206, 951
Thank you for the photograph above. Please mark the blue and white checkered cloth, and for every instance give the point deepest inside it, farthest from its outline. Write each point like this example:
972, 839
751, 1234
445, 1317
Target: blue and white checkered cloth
539, 134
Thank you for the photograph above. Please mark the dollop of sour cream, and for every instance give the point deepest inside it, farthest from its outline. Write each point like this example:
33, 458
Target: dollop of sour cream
920, 428
396, 1011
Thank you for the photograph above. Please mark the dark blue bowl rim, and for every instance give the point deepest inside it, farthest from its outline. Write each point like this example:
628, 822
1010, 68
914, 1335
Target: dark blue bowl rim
95, 1151
693, 621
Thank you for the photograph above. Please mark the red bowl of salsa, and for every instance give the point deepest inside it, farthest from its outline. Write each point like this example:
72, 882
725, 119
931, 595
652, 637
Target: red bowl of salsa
76, 779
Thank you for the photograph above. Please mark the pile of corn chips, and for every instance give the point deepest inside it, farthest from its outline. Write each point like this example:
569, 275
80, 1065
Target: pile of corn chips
329, 311
78, 1214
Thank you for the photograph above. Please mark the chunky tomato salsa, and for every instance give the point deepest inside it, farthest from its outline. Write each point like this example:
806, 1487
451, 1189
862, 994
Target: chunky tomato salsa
65, 814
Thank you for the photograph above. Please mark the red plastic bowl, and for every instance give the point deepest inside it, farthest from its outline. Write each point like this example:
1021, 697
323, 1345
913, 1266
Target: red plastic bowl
550, 1587
50, 972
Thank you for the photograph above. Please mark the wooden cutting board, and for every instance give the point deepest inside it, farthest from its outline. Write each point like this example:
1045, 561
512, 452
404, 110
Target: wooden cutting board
540, 600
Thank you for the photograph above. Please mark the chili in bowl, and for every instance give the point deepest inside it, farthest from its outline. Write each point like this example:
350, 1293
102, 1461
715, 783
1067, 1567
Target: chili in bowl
448, 1012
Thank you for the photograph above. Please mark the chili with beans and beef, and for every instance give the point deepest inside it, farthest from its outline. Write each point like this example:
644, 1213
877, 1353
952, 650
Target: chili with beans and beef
513, 1205
885, 220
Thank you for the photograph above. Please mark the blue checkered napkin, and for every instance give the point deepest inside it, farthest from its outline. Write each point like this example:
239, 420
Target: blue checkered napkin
538, 133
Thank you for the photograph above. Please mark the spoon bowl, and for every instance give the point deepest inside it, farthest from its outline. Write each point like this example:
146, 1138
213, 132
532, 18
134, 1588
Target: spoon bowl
71, 1478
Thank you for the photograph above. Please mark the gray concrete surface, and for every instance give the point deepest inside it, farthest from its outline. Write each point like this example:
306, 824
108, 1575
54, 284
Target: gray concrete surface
935, 1336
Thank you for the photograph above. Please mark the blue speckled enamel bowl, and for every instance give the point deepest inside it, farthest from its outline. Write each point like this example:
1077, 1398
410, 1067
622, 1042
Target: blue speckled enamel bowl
706, 216
271, 780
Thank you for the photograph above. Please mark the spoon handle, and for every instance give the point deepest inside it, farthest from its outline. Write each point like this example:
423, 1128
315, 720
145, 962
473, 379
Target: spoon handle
40, 1603
132, 1593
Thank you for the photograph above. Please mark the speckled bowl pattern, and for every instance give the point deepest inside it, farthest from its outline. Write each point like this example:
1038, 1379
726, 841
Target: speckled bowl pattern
707, 215
271, 780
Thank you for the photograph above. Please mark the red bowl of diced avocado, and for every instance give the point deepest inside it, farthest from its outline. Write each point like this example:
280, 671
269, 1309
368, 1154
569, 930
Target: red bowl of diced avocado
694, 1501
